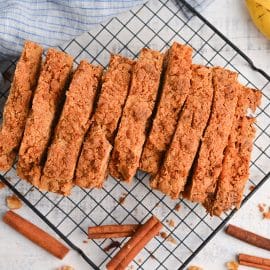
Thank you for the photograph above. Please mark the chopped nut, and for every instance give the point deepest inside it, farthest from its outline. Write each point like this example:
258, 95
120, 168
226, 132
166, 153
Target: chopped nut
232, 265
177, 207
2, 185
251, 188
13, 202
140, 261
85, 241
66, 267
194, 268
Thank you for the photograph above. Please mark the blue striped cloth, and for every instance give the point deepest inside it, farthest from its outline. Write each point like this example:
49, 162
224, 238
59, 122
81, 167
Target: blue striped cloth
52, 22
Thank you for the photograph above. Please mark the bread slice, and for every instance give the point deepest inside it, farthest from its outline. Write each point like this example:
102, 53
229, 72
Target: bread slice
92, 166
172, 176
49, 93
93, 162
136, 115
70, 131
209, 163
235, 167
174, 93
18, 103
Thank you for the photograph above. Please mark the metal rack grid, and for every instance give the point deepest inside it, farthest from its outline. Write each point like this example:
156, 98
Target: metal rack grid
155, 24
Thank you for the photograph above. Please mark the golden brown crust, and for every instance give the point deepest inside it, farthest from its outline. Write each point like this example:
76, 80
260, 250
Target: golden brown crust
209, 163
49, 93
173, 174
71, 128
92, 166
18, 104
175, 90
235, 167
137, 112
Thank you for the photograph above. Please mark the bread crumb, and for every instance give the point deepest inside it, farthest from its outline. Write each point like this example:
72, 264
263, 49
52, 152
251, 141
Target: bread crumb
163, 235
169, 238
139, 261
172, 240
66, 267
85, 241
251, 187
266, 215
13, 202
232, 265
194, 268
122, 198
177, 207
265, 212
261, 207
2, 185
171, 222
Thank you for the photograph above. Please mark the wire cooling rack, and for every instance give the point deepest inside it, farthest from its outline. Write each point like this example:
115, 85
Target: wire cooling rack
156, 24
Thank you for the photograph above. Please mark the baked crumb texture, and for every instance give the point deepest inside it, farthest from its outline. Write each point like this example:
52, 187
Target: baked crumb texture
173, 173
209, 162
93, 162
136, 115
175, 90
18, 103
235, 167
48, 96
71, 128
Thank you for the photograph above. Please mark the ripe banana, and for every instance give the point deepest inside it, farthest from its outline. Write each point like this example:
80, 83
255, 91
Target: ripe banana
260, 13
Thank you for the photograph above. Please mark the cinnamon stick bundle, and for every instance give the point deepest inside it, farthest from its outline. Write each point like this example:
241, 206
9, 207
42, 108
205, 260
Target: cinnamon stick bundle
35, 234
248, 237
112, 231
135, 244
253, 261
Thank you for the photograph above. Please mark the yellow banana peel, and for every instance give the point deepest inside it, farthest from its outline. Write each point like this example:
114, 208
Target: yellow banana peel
260, 13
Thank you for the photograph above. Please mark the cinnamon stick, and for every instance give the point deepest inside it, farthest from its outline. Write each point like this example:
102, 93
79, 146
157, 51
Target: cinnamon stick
263, 267
112, 231
248, 237
136, 243
35, 234
257, 262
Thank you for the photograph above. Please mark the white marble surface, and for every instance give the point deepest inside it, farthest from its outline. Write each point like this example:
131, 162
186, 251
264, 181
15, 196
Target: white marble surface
231, 18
